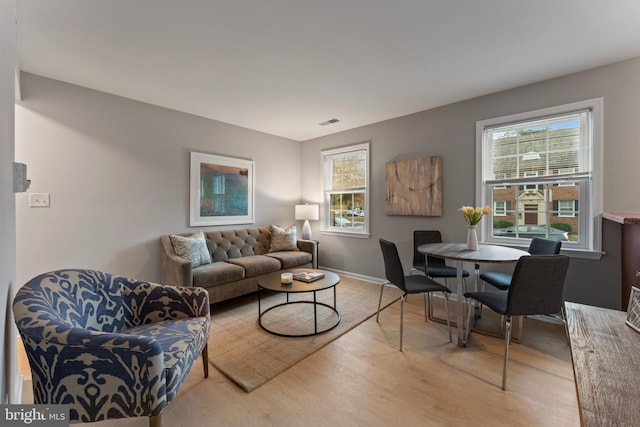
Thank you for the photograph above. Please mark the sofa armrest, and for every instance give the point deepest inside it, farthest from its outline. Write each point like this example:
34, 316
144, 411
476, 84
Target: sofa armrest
310, 246
176, 271
147, 302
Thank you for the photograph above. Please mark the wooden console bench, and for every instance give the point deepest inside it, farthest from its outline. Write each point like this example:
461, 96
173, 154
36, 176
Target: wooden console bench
606, 365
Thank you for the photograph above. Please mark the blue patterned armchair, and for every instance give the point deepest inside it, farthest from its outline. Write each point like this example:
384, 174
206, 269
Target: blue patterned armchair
109, 346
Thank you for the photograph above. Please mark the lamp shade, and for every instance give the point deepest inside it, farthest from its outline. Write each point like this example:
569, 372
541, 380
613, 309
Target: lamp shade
307, 211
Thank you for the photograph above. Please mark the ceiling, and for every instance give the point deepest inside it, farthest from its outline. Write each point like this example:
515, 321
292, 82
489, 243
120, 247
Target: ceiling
284, 66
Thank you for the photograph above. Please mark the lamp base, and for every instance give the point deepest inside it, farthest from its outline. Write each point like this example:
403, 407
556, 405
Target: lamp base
306, 230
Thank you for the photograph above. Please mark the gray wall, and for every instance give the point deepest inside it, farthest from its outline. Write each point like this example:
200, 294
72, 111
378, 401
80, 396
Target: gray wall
118, 174
450, 132
117, 171
8, 373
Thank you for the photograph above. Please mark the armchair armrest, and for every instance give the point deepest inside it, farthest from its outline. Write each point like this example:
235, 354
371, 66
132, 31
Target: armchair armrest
176, 271
117, 360
147, 302
75, 358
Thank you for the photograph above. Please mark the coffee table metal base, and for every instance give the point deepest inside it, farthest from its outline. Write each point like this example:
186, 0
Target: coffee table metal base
315, 304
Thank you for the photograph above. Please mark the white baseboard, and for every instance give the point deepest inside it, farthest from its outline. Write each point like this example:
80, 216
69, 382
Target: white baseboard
376, 280
355, 275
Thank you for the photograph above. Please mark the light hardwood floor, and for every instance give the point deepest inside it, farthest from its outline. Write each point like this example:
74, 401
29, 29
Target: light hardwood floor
361, 379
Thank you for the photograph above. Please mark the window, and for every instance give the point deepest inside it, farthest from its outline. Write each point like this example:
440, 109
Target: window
500, 207
566, 171
566, 208
541, 171
502, 176
346, 190
526, 174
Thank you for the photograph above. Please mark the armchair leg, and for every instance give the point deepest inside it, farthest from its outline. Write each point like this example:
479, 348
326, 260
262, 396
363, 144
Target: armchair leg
507, 339
205, 360
155, 421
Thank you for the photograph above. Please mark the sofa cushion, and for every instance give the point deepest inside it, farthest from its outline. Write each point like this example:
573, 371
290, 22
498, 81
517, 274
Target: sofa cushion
290, 259
181, 341
283, 239
227, 244
256, 265
217, 273
192, 248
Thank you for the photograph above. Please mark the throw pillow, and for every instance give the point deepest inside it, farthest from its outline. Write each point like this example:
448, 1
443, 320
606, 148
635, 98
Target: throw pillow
283, 239
192, 248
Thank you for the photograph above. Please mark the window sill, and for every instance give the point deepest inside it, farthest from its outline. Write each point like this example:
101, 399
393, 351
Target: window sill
582, 253
356, 234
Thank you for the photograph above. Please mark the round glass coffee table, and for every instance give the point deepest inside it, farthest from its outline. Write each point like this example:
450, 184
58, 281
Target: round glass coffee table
271, 282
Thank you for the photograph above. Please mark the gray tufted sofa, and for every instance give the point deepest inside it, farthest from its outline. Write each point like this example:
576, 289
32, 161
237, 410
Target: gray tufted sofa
239, 258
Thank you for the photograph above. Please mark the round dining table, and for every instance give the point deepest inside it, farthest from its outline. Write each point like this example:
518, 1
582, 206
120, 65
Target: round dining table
459, 253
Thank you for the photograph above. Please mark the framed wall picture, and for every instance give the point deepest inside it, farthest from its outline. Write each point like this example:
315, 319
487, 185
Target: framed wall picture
221, 190
633, 312
414, 187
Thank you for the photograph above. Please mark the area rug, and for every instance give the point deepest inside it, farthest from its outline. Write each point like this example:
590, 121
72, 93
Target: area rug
250, 356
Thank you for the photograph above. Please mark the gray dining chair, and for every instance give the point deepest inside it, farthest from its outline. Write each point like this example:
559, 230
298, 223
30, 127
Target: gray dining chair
411, 284
433, 267
538, 246
535, 289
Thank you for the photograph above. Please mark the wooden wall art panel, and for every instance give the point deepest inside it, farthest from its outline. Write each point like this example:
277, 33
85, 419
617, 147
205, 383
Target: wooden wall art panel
414, 187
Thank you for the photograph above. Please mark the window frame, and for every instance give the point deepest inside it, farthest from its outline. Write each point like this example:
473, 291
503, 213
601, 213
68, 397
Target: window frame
566, 170
328, 228
562, 213
591, 192
499, 211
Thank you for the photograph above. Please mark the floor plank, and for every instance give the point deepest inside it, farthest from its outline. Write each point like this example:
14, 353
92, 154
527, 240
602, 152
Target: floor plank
361, 379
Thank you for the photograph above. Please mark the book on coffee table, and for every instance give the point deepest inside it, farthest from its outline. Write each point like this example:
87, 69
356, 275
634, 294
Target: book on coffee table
308, 276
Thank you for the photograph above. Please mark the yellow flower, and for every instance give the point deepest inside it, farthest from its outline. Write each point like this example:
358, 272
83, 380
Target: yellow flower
473, 215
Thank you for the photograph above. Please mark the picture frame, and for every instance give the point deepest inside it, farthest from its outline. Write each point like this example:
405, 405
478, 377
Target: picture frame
413, 187
633, 312
221, 190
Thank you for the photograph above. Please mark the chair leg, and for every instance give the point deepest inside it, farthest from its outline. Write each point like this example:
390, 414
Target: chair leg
205, 360
402, 300
380, 301
426, 315
518, 339
507, 339
428, 296
564, 321
470, 307
155, 421
446, 305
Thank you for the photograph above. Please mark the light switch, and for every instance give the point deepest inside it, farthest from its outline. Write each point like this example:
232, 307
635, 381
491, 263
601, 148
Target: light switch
39, 200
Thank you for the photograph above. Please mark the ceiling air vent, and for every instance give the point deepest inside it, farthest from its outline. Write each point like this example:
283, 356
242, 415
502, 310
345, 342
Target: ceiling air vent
329, 122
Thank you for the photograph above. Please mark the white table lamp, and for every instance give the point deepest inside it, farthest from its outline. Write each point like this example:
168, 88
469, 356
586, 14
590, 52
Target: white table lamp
307, 212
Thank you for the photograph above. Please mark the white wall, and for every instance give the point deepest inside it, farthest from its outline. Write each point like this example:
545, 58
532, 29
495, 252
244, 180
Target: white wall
117, 171
8, 374
450, 131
